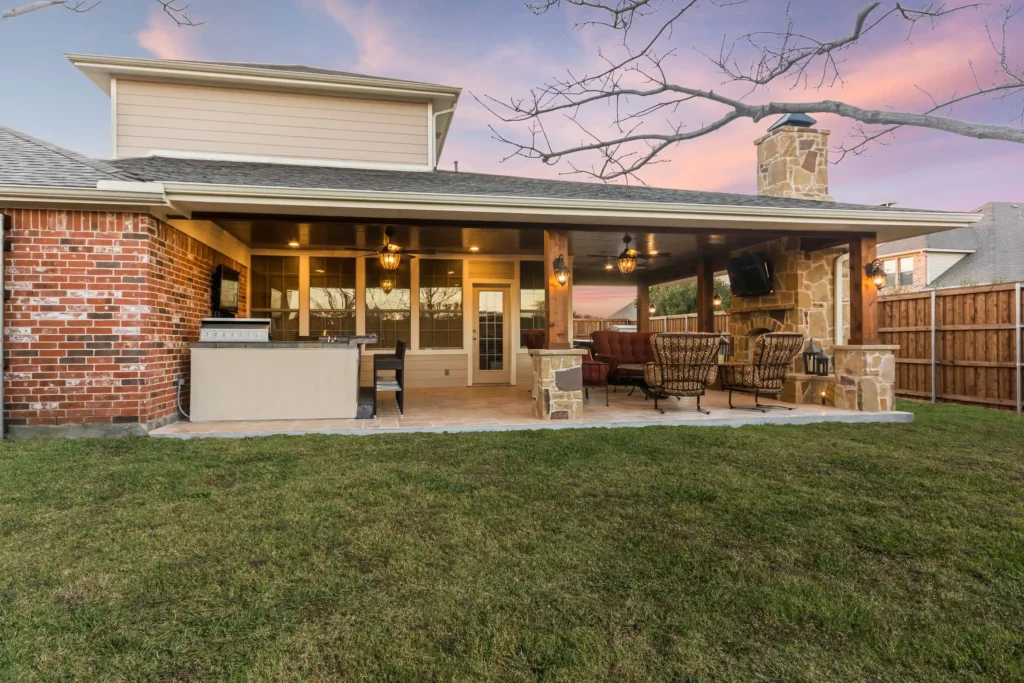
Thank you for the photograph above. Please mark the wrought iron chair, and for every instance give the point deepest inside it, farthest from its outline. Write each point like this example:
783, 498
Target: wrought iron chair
766, 372
683, 365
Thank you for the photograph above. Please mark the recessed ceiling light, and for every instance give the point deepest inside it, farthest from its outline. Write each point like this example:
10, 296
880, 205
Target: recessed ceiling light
653, 252
474, 249
608, 266
293, 243
451, 272
319, 270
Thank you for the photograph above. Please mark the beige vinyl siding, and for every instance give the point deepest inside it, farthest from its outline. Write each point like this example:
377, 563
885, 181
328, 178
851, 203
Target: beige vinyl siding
496, 270
424, 371
209, 120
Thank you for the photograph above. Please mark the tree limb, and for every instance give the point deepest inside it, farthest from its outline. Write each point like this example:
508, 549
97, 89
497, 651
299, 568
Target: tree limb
636, 86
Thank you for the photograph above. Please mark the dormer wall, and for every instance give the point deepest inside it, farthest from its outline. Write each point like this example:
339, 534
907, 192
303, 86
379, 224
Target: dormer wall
177, 119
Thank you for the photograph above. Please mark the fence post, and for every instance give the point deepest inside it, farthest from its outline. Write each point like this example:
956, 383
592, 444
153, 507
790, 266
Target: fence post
935, 352
1020, 361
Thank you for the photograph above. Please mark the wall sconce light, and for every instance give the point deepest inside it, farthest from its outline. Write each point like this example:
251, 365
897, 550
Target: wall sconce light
652, 309
716, 301
824, 395
561, 270
876, 272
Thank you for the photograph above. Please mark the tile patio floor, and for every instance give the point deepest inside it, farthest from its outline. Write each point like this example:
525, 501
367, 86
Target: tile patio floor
506, 408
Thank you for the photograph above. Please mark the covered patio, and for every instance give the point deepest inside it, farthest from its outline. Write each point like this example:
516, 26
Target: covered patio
506, 408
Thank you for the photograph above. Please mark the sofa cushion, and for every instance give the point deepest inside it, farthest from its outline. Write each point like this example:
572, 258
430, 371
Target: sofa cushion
625, 347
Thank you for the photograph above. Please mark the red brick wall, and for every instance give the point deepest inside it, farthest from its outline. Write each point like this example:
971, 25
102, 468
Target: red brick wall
101, 308
181, 271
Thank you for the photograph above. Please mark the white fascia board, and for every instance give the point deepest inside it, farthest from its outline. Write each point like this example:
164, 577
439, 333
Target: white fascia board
100, 69
539, 208
129, 186
22, 194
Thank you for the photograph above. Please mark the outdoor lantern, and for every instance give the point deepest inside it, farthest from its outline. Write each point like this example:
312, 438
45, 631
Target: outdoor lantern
821, 364
387, 283
390, 256
561, 270
652, 309
809, 357
876, 272
717, 300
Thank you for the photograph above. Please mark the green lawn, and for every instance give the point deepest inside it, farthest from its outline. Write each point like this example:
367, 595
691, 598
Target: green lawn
825, 552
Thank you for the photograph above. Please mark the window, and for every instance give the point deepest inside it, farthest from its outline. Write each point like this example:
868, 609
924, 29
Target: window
275, 293
440, 304
531, 298
388, 312
332, 297
890, 273
907, 271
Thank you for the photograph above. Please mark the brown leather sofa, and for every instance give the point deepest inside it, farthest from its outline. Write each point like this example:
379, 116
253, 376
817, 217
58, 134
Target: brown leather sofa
623, 348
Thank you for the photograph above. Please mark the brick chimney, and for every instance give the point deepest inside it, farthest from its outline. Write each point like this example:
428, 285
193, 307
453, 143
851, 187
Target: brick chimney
792, 160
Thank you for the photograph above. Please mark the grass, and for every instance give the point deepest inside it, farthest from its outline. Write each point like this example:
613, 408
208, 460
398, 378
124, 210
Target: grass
824, 552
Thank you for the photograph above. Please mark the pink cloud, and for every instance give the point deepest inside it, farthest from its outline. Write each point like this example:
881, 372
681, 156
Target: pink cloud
164, 40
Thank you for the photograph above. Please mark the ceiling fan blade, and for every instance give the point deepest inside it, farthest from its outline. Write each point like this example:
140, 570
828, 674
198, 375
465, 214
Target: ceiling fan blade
374, 251
660, 253
605, 256
428, 252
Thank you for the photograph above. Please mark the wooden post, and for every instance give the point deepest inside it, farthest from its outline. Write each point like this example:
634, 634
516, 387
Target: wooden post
705, 295
863, 293
557, 298
643, 304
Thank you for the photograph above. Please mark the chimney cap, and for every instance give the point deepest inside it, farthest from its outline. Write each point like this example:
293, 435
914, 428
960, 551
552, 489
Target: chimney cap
798, 120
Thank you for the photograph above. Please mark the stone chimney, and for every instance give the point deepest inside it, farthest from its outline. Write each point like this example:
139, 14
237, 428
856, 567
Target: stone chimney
792, 160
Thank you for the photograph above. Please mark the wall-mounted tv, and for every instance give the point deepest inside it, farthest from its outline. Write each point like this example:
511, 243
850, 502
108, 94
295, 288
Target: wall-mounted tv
750, 275
225, 292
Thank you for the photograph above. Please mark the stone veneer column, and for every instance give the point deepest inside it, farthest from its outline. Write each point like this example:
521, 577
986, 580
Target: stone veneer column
557, 383
866, 377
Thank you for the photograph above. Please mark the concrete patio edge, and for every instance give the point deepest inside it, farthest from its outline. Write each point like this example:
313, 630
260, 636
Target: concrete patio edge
891, 417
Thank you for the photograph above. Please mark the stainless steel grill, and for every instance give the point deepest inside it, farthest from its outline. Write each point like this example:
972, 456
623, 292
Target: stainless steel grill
236, 329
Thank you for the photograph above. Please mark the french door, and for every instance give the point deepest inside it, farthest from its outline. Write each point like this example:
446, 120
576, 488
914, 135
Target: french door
492, 359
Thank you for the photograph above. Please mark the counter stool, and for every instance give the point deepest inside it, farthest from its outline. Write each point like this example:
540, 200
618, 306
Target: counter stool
390, 361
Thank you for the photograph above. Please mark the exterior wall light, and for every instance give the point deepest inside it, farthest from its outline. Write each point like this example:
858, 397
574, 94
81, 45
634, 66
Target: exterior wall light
716, 300
652, 309
876, 272
561, 270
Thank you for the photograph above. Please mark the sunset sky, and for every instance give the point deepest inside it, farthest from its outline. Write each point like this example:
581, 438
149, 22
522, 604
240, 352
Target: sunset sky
501, 49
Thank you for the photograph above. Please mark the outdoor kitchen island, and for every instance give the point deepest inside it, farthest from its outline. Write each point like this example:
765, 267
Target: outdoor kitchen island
314, 380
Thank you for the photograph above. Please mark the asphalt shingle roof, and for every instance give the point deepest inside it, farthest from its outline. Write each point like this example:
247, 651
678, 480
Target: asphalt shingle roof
162, 169
297, 68
997, 241
25, 160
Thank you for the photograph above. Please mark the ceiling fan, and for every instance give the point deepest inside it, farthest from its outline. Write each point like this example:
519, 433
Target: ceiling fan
627, 260
390, 254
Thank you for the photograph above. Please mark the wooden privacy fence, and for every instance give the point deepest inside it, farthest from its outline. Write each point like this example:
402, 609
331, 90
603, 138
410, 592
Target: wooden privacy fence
583, 327
961, 345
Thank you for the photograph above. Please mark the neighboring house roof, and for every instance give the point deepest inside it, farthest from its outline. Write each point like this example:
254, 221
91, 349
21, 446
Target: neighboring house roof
28, 161
999, 250
180, 170
627, 312
994, 242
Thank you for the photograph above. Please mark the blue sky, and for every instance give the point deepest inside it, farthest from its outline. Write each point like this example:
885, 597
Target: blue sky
500, 48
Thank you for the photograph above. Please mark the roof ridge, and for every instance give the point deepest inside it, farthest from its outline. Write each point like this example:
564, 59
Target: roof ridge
94, 164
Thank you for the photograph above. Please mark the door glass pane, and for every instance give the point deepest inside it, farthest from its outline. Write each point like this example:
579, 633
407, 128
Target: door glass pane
491, 330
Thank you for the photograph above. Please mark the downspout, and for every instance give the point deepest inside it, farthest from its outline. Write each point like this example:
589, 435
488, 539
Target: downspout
840, 264
439, 143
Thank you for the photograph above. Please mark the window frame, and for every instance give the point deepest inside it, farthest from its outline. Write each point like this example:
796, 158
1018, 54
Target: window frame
458, 271
251, 296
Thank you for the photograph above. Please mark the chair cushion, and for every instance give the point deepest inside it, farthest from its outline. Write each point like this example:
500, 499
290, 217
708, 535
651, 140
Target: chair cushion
595, 373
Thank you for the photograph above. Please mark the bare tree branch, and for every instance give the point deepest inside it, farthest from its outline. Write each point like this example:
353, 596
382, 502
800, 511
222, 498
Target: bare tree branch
634, 86
177, 12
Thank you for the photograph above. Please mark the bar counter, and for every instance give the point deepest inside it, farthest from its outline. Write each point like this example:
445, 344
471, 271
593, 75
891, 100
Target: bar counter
307, 380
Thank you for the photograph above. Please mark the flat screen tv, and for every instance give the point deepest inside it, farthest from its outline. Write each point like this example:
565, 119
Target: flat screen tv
225, 292
750, 275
